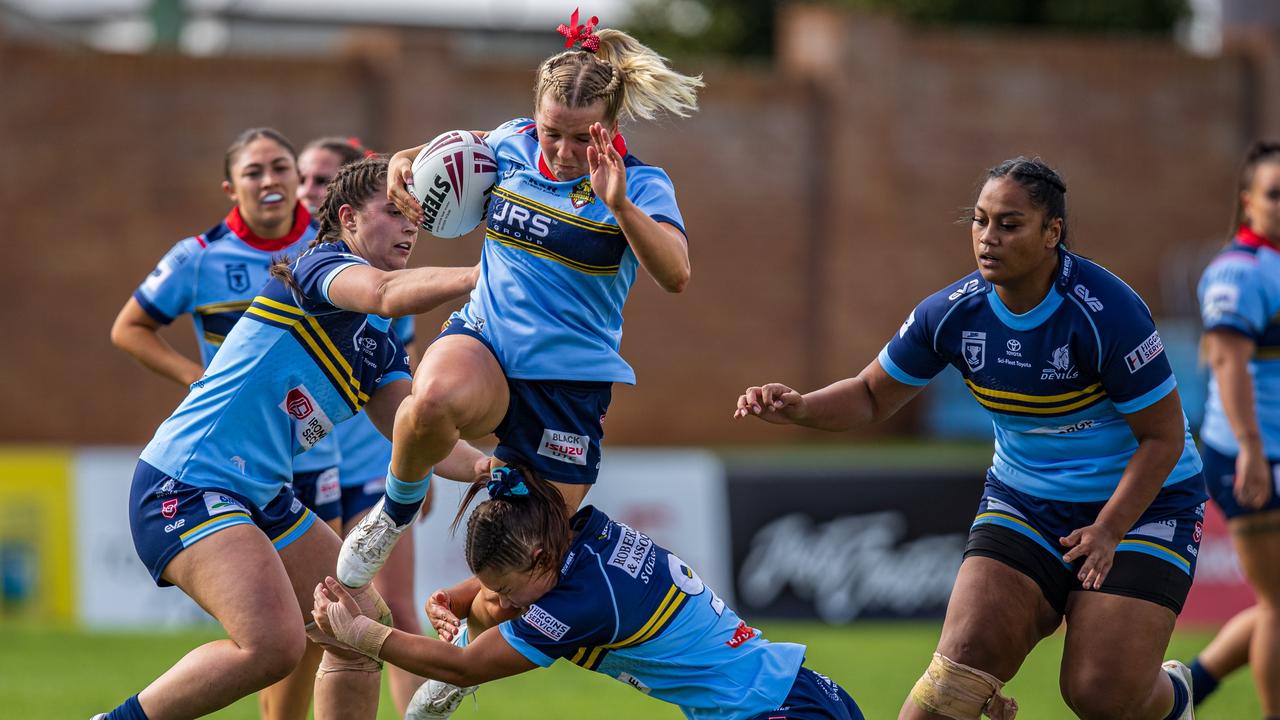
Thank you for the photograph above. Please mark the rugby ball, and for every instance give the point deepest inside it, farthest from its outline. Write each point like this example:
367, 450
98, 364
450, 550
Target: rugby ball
452, 177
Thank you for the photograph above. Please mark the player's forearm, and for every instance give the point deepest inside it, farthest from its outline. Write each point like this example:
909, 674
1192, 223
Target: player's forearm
662, 254
462, 596
1143, 477
420, 290
428, 657
839, 407
148, 348
463, 464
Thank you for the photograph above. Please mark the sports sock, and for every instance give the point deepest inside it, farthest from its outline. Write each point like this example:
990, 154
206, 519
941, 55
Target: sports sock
130, 709
1202, 683
401, 499
1180, 698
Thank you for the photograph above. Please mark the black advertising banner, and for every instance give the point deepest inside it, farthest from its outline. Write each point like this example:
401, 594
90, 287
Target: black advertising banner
840, 545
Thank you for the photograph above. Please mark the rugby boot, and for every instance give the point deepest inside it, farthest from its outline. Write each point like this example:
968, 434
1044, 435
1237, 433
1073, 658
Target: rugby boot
367, 547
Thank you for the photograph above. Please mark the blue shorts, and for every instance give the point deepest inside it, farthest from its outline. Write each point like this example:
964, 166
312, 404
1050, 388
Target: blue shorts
167, 516
1154, 561
1220, 474
358, 498
553, 427
321, 491
814, 696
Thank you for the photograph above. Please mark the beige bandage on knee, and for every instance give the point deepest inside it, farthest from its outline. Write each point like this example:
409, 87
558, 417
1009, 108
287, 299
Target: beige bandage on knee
340, 660
372, 604
960, 692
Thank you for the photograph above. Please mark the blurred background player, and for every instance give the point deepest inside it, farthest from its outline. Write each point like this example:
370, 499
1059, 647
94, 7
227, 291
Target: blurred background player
214, 277
1240, 308
533, 355
211, 508
648, 621
1095, 490
365, 452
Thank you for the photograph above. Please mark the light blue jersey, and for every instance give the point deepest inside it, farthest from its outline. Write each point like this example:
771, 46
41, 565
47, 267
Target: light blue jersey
630, 609
213, 277
1056, 380
1240, 292
292, 368
556, 269
366, 452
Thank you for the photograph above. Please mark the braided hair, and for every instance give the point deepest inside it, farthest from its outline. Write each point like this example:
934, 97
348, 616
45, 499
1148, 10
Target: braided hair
634, 81
354, 185
524, 513
1261, 152
1043, 186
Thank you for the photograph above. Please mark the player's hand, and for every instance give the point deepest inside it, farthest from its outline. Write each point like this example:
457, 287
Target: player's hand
608, 174
335, 610
1097, 545
399, 182
440, 613
1253, 485
774, 402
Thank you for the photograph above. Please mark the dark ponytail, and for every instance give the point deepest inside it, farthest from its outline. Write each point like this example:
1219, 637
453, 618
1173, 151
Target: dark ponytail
354, 184
1042, 184
523, 513
1261, 152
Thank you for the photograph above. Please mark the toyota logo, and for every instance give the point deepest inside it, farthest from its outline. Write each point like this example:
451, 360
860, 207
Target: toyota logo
1013, 345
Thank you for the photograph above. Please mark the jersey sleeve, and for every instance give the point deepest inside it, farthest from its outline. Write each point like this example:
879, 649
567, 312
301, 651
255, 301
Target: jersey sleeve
315, 271
568, 618
404, 329
507, 129
652, 191
397, 367
1132, 363
170, 289
1231, 297
910, 357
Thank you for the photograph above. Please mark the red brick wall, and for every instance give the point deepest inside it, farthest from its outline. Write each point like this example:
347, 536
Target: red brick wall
820, 195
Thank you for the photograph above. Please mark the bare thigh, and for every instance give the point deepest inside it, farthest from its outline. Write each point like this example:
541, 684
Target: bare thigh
308, 560
459, 373
1257, 541
1114, 647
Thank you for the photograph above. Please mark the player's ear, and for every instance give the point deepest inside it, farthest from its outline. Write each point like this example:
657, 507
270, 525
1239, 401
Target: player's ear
230, 190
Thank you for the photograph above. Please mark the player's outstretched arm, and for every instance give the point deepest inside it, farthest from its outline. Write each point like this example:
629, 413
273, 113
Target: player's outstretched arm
847, 404
137, 333
366, 289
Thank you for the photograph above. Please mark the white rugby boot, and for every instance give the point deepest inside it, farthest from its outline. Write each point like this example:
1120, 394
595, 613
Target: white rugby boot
1181, 674
367, 547
436, 700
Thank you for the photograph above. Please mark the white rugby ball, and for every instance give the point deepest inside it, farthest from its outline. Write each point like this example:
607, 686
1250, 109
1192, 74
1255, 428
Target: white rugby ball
452, 177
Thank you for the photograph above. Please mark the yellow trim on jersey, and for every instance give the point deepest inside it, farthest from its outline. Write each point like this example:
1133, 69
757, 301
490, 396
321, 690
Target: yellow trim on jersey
539, 251
221, 307
657, 621
1004, 516
214, 338
1021, 397
557, 213
349, 384
219, 518
1088, 396
291, 309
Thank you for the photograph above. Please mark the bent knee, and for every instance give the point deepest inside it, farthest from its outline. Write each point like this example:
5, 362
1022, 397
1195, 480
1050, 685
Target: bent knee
1093, 696
434, 404
276, 656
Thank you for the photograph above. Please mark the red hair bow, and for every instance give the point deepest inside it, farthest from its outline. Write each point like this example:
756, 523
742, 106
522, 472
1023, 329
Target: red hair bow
573, 32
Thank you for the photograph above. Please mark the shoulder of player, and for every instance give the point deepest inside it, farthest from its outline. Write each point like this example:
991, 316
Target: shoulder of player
519, 130
963, 291
1098, 292
1237, 265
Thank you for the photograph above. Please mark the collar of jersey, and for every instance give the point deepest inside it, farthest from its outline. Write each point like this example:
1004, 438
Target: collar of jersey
301, 220
618, 144
1247, 237
586, 525
1032, 318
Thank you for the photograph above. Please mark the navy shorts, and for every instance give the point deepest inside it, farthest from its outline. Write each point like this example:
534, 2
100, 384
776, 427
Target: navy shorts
167, 516
1154, 561
1220, 474
321, 491
358, 498
814, 696
553, 427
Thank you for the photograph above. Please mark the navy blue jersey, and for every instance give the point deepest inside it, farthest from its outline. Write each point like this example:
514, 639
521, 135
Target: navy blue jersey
214, 277
288, 371
1056, 380
628, 608
366, 452
1240, 292
556, 269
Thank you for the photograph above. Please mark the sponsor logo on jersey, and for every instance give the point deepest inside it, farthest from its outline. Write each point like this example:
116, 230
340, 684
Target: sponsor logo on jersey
238, 462
582, 194
311, 423
237, 277
1147, 351
902, 331
997, 505
158, 276
328, 489
1221, 299
741, 635
630, 551
545, 622
521, 222
1197, 534
368, 344
1014, 348
175, 525
167, 488
634, 682
217, 503
564, 446
169, 508
1162, 529
1064, 429
1092, 302
964, 290
295, 506
973, 346
1061, 367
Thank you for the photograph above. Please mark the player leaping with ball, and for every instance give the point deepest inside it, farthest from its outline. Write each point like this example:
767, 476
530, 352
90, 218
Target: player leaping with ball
1093, 504
533, 355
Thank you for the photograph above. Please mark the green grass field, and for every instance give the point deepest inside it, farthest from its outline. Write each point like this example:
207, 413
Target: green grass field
49, 672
